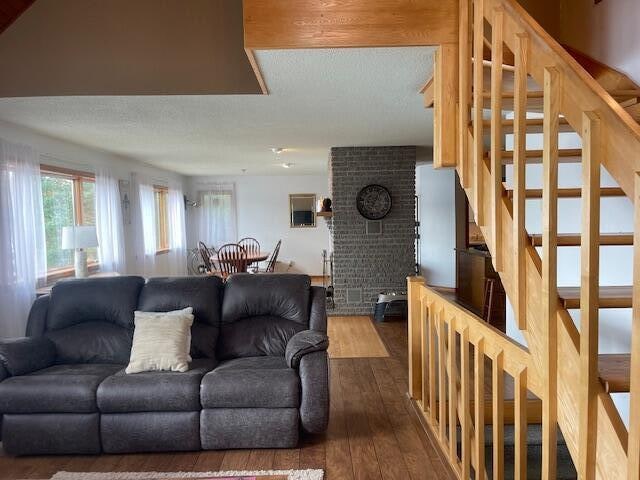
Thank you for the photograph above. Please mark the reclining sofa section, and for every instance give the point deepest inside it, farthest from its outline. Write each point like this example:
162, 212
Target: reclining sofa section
259, 373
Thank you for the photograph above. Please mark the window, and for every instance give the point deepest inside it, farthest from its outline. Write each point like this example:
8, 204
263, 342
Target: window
68, 198
162, 232
217, 216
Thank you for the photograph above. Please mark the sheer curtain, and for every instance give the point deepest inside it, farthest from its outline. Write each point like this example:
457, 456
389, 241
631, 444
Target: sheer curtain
22, 239
143, 223
217, 215
177, 256
109, 223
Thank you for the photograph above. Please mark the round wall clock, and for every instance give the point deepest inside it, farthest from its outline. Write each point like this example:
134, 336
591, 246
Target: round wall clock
374, 202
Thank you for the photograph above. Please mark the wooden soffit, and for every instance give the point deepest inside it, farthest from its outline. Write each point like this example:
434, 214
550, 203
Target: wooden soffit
283, 24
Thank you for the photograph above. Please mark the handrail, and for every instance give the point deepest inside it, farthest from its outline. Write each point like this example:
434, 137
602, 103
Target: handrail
561, 363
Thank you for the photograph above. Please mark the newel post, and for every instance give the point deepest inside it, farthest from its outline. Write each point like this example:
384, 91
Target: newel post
414, 325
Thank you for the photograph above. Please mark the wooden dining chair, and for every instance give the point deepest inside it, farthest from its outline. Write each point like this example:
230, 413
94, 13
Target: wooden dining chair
273, 258
252, 246
232, 258
207, 254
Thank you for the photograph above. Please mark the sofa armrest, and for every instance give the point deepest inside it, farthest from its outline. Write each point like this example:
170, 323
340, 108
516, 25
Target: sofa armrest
36, 325
318, 313
303, 343
314, 382
20, 356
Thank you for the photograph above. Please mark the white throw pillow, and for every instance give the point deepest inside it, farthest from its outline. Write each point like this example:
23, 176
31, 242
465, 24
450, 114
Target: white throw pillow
161, 341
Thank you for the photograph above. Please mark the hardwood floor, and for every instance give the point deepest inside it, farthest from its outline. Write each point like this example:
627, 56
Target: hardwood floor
373, 433
354, 337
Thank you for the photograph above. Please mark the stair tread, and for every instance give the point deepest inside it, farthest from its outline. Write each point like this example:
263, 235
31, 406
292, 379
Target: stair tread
615, 371
615, 296
566, 155
534, 125
570, 192
574, 239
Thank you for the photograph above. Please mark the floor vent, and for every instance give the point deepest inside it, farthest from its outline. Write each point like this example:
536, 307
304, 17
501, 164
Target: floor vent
374, 227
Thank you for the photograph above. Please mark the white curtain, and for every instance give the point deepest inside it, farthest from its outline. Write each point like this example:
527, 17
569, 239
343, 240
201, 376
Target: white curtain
109, 223
177, 256
143, 223
217, 215
22, 239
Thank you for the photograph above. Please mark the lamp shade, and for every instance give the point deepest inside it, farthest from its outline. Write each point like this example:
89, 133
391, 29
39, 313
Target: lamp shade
79, 237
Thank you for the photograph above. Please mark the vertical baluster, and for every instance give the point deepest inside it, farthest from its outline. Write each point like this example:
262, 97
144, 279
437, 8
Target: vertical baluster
426, 351
465, 427
496, 136
478, 373
633, 450
497, 389
432, 364
478, 80
464, 57
519, 172
549, 270
442, 378
589, 281
520, 420
453, 393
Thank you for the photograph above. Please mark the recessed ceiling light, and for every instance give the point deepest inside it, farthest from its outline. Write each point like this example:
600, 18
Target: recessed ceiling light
287, 165
277, 150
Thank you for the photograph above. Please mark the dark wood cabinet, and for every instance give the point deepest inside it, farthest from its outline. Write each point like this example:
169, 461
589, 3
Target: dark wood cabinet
479, 288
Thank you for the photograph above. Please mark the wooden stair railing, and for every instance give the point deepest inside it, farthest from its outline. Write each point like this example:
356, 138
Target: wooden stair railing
561, 364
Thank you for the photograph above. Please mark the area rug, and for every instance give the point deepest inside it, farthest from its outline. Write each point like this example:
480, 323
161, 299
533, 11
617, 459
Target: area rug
354, 337
230, 475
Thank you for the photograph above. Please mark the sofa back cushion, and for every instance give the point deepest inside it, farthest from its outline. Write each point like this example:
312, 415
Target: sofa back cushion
203, 294
91, 320
260, 313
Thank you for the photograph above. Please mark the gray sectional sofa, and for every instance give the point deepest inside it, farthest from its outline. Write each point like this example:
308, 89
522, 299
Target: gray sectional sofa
259, 374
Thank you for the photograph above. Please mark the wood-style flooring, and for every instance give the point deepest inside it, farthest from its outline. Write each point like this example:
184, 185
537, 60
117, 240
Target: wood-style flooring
373, 432
354, 337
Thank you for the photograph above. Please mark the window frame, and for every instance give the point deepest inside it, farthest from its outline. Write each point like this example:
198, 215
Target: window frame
161, 193
77, 177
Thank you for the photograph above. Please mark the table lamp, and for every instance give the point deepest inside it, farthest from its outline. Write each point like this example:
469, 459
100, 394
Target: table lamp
79, 238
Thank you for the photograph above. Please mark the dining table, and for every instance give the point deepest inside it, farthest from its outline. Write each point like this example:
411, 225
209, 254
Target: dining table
252, 258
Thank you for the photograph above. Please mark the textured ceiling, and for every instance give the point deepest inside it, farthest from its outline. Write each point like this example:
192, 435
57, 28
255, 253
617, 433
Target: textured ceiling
318, 99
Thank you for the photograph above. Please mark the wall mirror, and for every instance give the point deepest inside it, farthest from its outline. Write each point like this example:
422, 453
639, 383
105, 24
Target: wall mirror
302, 210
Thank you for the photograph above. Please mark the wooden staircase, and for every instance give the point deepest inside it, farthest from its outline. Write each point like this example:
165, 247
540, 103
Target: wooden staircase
528, 84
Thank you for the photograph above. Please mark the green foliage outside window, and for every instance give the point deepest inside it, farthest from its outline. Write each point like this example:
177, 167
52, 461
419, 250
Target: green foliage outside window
57, 196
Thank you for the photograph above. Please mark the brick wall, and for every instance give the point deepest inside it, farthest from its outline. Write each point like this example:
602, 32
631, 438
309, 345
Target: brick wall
371, 263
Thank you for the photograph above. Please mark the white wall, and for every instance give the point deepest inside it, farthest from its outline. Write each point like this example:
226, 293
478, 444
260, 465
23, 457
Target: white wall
436, 194
65, 154
615, 261
607, 31
262, 204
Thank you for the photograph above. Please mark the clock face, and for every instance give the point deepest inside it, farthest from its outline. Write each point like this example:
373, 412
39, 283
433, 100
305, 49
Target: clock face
374, 202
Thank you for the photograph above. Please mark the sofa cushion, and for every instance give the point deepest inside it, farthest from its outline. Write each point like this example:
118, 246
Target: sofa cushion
260, 313
101, 299
57, 389
154, 391
91, 320
278, 295
92, 342
250, 337
251, 382
203, 294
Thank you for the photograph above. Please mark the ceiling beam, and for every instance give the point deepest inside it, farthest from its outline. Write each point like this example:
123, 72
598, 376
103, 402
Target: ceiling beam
283, 24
